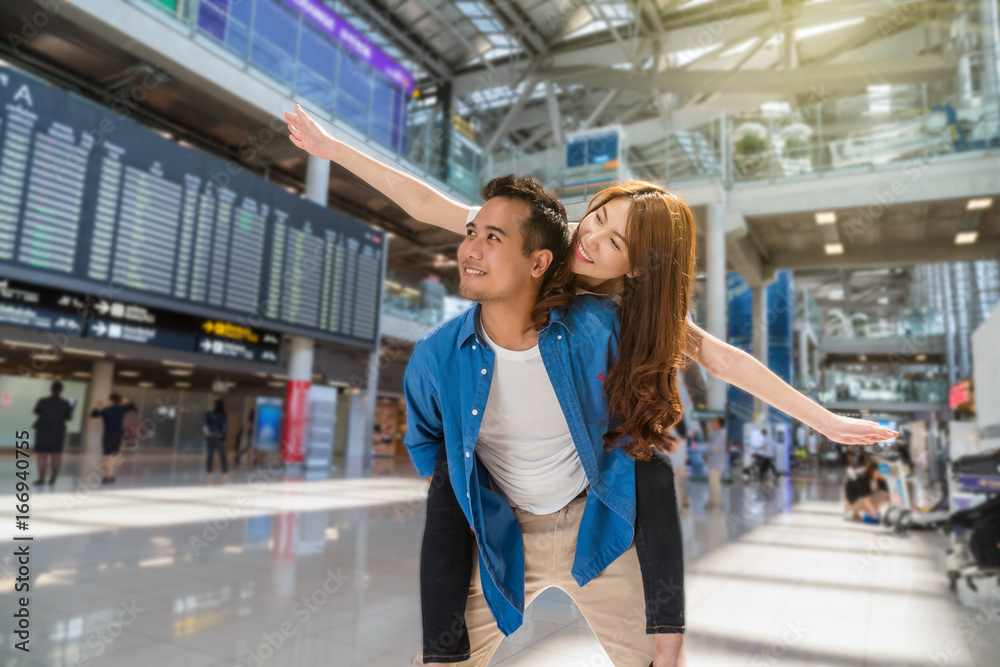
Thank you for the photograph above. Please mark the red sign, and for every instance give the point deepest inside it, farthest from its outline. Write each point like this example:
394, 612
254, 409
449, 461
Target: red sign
958, 394
6, 398
294, 428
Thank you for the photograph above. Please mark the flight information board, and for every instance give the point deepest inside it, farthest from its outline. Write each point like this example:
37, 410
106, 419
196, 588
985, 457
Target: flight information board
93, 202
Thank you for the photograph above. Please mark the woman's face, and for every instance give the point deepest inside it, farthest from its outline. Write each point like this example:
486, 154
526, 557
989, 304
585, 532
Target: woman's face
600, 253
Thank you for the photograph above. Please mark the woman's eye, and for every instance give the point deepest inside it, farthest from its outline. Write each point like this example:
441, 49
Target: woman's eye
614, 245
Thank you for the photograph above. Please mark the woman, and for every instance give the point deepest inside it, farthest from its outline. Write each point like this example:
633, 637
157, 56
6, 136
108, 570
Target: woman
216, 426
50, 431
114, 430
636, 245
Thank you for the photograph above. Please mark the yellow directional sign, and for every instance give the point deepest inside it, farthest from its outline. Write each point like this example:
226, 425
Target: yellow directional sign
230, 330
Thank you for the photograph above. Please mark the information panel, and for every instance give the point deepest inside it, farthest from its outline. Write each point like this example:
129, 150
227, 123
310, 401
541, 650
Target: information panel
92, 201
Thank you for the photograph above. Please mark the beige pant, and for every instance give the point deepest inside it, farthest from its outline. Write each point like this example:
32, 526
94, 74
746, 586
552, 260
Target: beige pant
715, 487
612, 602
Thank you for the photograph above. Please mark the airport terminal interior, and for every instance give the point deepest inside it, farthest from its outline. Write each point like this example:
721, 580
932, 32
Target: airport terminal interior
259, 309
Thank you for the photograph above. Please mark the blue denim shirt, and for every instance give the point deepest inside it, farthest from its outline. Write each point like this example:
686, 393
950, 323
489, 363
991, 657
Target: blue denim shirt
447, 384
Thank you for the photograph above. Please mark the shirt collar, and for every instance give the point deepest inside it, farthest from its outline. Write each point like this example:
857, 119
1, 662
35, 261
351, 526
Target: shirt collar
467, 330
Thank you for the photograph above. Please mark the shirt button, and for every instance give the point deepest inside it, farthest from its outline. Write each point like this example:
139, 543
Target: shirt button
484, 371
467, 495
467, 455
475, 412
559, 336
473, 347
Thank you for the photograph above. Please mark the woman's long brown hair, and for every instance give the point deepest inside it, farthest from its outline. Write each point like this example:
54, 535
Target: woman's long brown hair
642, 387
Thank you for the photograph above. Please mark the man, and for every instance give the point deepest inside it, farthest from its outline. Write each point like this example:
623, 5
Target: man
50, 431
521, 414
718, 451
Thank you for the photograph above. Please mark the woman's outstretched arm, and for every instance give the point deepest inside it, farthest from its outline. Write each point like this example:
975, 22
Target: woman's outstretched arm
736, 367
420, 200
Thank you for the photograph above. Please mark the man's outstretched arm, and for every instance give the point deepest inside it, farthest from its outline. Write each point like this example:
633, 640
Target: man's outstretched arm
420, 200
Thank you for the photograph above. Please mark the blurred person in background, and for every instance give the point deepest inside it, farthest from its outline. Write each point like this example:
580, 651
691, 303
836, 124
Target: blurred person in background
216, 425
717, 453
114, 429
867, 492
50, 431
765, 457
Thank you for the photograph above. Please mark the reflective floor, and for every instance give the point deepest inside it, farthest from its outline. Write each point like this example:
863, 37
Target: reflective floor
165, 570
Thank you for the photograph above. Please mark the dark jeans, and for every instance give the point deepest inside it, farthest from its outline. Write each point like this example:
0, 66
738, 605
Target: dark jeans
216, 445
445, 571
765, 464
446, 560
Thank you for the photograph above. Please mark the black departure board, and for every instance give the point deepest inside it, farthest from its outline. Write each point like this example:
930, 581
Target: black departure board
93, 202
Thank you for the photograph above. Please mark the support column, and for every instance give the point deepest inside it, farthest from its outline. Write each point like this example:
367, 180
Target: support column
989, 22
300, 359
300, 363
804, 356
715, 290
760, 339
317, 180
102, 376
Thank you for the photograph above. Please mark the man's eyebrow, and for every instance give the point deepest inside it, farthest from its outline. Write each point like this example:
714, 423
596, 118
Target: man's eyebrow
494, 228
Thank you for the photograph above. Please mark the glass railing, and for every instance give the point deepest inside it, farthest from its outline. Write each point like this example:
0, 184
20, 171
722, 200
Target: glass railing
844, 387
839, 135
408, 302
838, 323
305, 65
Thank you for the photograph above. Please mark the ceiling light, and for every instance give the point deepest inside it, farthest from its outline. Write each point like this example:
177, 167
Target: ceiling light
276, 384
921, 357
965, 238
45, 356
180, 372
883, 300
86, 353
834, 248
260, 375
145, 384
826, 218
976, 204
129, 374
183, 364
81, 374
862, 357
182, 385
3, 359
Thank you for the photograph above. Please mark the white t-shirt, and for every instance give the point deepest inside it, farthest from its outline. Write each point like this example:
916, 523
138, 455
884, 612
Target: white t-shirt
524, 440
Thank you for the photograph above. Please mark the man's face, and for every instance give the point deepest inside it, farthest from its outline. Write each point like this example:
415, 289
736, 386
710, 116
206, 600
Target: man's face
491, 261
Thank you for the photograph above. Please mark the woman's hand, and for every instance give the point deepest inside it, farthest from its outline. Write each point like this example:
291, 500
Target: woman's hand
307, 134
850, 431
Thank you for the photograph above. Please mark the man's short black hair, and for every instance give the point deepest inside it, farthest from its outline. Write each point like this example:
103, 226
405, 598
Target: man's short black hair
546, 227
722, 422
57, 388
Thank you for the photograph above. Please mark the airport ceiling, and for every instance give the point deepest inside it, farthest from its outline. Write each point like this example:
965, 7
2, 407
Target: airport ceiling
524, 71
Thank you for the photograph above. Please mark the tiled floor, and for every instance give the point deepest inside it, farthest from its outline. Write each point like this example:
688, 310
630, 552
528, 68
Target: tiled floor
163, 570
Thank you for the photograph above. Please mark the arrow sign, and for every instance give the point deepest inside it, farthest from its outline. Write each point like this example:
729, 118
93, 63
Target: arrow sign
99, 328
206, 345
102, 307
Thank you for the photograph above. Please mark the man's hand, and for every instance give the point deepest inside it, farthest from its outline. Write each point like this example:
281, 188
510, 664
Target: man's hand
307, 134
850, 431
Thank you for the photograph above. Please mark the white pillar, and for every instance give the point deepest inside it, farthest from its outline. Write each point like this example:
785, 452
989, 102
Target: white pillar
715, 290
804, 356
102, 376
300, 358
317, 180
760, 338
